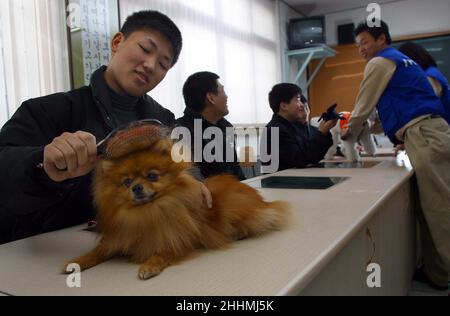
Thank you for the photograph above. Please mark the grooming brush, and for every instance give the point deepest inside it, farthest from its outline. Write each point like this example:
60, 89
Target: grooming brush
135, 137
129, 138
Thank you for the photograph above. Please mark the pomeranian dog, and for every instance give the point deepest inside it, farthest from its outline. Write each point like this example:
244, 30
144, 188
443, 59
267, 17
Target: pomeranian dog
151, 209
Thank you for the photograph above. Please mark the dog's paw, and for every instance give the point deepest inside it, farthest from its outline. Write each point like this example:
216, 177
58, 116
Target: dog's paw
78, 264
146, 272
70, 267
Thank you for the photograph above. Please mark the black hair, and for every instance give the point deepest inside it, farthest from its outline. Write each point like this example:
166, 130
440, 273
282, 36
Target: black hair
196, 87
375, 31
419, 54
303, 99
282, 92
154, 20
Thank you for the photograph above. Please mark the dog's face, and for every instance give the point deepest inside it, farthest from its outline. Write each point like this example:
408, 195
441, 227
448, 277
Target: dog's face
140, 178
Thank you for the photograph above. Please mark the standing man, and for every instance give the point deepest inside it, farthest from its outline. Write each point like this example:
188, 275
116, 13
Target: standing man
410, 112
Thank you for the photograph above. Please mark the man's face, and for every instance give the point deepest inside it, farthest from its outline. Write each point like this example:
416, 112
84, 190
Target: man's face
292, 109
139, 63
368, 46
303, 114
219, 101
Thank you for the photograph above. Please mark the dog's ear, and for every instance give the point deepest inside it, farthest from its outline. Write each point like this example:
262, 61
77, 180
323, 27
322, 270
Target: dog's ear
163, 146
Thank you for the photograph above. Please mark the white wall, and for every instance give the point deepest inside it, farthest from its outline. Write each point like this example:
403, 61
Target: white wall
285, 14
404, 17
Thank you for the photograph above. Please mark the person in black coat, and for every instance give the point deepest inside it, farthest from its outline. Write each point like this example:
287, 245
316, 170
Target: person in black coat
296, 146
206, 108
48, 148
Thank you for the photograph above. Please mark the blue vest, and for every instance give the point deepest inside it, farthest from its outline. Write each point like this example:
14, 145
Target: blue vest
408, 95
433, 72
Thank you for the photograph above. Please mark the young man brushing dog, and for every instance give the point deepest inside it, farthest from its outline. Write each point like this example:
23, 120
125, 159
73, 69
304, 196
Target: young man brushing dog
61, 130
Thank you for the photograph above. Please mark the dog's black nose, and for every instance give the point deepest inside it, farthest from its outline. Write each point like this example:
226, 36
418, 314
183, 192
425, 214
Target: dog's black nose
138, 189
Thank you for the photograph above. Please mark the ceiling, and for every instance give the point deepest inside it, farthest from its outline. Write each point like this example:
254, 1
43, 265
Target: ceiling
315, 7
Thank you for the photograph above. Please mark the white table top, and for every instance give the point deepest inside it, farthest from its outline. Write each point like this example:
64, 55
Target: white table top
280, 263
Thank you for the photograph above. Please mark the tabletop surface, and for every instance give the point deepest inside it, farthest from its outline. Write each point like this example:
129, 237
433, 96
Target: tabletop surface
279, 263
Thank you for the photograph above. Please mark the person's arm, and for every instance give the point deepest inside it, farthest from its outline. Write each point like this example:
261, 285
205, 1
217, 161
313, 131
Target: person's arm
317, 146
436, 86
196, 172
377, 75
25, 188
320, 142
295, 155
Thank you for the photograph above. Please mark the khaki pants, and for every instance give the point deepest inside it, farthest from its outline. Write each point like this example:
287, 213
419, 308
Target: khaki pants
428, 146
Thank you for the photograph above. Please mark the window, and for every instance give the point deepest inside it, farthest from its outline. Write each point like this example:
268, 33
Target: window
236, 39
34, 57
4, 115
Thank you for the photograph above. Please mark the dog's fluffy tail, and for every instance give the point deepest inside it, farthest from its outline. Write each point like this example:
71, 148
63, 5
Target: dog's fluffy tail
271, 216
240, 211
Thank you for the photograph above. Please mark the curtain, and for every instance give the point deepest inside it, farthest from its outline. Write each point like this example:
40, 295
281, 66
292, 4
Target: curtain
237, 39
35, 53
4, 111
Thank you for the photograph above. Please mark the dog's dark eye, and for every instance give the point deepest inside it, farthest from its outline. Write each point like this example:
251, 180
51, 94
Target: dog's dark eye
153, 177
127, 182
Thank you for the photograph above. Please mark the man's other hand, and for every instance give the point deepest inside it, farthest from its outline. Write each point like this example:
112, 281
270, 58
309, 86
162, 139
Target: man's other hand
326, 126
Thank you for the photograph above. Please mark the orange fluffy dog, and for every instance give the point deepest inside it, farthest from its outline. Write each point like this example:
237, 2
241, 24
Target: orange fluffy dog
151, 210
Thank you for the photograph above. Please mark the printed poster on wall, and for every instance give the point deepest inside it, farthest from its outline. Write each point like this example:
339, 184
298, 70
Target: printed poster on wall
96, 35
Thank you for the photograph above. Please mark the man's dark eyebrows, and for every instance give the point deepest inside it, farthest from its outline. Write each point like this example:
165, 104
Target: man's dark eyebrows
152, 43
154, 46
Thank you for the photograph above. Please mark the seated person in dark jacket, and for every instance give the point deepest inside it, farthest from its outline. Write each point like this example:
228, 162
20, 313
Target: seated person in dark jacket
296, 147
206, 107
48, 148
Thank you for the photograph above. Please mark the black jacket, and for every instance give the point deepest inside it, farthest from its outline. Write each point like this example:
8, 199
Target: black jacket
298, 147
209, 169
307, 131
30, 202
